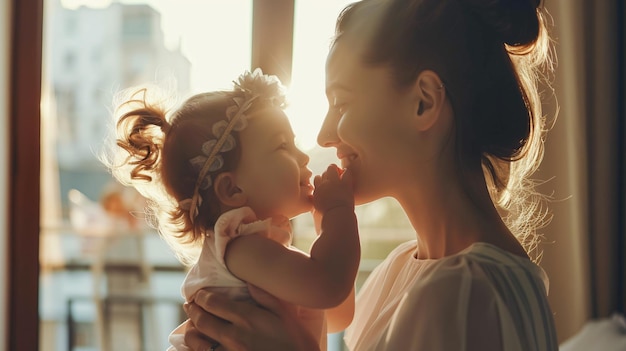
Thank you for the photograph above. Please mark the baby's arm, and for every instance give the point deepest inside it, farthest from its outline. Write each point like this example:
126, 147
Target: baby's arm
323, 279
339, 317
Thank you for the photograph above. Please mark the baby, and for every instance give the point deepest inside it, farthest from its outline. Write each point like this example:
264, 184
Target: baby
223, 175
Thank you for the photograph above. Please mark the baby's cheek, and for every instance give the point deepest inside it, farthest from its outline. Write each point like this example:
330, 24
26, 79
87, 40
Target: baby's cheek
280, 187
287, 178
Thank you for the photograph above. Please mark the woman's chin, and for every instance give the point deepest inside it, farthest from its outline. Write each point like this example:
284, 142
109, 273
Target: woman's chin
362, 198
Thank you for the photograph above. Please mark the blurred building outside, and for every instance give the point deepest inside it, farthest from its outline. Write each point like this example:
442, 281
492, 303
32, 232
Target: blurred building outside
102, 274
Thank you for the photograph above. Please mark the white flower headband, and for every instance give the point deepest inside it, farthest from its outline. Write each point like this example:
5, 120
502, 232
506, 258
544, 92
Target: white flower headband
255, 86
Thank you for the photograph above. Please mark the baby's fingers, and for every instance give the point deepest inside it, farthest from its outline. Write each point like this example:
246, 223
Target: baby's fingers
327, 175
331, 174
346, 176
317, 180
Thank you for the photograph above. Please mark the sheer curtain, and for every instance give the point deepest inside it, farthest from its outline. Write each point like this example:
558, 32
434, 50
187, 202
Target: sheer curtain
584, 160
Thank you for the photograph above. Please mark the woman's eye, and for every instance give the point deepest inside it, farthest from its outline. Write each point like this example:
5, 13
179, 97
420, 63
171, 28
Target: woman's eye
340, 108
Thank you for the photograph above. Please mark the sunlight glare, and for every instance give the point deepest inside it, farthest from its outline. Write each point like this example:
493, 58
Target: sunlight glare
216, 38
314, 28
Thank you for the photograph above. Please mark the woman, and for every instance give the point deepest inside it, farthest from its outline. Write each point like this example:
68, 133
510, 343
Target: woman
435, 103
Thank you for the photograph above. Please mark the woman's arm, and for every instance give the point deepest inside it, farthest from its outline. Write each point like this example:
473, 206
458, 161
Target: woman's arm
323, 279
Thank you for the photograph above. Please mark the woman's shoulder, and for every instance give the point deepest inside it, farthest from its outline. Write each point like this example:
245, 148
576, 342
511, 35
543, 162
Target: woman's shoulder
482, 256
479, 253
407, 247
485, 265
479, 264
400, 257
479, 286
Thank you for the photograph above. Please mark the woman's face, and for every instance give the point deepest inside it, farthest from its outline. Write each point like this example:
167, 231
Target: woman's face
272, 171
369, 122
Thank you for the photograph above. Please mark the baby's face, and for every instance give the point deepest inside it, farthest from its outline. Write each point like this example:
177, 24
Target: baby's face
272, 171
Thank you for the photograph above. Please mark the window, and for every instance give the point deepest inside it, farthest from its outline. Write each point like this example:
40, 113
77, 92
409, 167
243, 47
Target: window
137, 26
104, 274
70, 26
95, 279
70, 60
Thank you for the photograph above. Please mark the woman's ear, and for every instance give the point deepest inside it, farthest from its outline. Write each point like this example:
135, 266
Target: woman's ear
227, 191
430, 94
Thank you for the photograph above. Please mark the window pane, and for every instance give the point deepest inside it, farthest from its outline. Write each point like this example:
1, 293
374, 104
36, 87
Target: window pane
314, 26
105, 273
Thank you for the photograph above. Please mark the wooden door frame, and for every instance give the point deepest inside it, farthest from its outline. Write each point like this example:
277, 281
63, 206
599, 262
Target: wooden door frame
23, 193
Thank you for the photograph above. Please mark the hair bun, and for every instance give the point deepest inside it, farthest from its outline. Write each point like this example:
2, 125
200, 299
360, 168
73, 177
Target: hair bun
514, 21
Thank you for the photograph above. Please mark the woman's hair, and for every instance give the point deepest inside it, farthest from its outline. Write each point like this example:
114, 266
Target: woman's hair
156, 152
490, 54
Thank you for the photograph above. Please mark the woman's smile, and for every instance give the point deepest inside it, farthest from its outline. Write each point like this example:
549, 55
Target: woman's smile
346, 159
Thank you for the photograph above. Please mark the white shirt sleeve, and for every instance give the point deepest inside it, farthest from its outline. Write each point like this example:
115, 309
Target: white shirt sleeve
451, 311
483, 298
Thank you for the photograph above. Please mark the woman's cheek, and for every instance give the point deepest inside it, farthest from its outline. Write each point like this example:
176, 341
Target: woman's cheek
352, 125
343, 128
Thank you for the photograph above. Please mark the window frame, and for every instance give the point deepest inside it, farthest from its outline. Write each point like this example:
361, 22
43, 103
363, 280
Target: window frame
24, 175
273, 33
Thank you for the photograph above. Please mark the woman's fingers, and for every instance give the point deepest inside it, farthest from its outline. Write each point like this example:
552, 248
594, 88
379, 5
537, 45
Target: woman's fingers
220, 306
269, 324
229, 335
208, 324
303, 329
195, 340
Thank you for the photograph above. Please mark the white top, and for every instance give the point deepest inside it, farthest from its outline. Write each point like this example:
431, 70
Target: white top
211, 272
482, 298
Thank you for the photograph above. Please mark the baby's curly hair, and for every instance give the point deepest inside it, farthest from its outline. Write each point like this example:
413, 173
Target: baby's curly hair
152, 149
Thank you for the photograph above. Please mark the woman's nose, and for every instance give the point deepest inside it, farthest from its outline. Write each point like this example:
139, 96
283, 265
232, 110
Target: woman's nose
327, 135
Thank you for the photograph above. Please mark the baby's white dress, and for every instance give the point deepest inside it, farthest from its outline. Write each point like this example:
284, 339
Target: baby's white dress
210, 271
482, 298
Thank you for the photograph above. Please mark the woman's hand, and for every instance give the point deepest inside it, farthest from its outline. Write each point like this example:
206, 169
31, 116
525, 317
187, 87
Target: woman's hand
237, 325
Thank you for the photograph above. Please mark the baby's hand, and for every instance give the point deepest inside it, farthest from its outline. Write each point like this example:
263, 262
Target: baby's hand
333, 189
